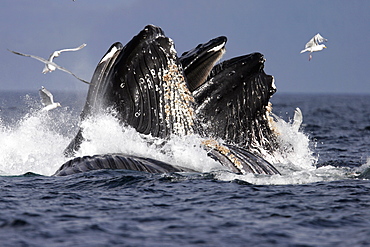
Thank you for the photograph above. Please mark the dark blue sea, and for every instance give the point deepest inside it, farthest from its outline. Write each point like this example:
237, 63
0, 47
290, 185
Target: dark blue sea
321, 199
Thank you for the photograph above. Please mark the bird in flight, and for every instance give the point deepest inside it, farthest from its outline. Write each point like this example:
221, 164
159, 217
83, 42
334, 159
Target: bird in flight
49, 64
314, 45
47, 100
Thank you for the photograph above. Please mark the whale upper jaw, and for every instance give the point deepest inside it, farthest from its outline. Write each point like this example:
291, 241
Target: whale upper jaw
199, 61
147, 85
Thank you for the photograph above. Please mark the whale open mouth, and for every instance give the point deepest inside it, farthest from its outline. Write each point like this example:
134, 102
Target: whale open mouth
198, 62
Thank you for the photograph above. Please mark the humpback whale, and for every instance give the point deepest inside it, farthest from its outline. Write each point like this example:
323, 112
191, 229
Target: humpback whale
150, 88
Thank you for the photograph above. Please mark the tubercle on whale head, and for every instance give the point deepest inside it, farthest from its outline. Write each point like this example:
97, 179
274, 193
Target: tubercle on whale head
177, 101
271, 120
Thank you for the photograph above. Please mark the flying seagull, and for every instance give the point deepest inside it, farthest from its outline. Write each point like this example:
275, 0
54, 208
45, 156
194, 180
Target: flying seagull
313, 45
47, 100
50, 65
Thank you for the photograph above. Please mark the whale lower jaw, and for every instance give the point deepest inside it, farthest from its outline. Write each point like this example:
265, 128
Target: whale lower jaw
116, 161
152, 90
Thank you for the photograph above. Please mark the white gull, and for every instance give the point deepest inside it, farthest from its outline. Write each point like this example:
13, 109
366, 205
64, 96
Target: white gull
313, 45
47, 100
49, 64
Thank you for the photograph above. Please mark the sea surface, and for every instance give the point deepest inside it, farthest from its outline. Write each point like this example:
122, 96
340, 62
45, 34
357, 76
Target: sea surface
321, 199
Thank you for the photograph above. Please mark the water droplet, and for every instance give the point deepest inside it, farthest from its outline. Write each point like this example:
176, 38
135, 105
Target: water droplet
122, 85
137, 114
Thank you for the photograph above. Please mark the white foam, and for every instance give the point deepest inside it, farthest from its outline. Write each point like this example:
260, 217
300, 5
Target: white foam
295, 152
327, 173
36, 144
106, 135
31, 146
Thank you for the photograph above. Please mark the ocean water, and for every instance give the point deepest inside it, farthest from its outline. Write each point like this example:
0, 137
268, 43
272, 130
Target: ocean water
322, 197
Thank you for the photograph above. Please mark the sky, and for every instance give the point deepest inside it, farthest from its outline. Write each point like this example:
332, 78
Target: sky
277, 29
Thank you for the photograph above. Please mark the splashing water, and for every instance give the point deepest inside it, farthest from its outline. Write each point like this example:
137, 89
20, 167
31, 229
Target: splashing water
31, 146
37, 141
295, 160
295, 149
106, 135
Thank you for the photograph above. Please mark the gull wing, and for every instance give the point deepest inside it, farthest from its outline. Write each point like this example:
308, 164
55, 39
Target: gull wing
72, 49
311, 43
46, 62
69, 72
319, 39
33, 56
57, 53
46, 97
315, 41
